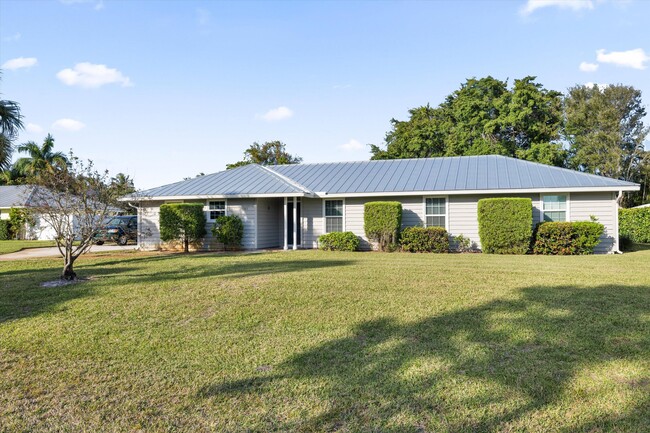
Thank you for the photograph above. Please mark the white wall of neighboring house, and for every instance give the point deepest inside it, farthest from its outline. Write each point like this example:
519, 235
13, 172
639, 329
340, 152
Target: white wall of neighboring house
4, 213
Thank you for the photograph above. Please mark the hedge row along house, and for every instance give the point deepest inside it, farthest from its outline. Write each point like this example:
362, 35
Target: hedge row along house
290, 206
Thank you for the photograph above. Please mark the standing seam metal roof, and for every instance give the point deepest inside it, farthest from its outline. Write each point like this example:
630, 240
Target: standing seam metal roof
462, 173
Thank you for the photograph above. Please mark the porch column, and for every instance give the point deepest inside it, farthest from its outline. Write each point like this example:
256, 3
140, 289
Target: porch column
295, 223
286, 246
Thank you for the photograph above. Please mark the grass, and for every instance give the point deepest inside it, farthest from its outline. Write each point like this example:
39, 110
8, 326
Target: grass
14, 246
313, 341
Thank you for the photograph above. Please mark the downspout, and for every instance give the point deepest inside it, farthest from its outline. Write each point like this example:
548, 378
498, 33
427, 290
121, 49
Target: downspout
139, 215
618, 241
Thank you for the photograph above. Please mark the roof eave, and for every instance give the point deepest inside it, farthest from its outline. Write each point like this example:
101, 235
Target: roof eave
212, 196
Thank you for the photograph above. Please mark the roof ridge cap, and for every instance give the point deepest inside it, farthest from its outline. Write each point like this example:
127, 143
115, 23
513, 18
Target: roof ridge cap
284, 178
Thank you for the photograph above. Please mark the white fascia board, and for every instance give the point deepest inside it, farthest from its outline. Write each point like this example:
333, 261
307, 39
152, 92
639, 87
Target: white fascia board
213, 196
478, 192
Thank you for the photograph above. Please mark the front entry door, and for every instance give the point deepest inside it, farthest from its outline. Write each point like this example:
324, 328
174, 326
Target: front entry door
290, 223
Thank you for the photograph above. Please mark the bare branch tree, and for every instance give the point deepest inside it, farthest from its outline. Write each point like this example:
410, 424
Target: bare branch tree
75, 201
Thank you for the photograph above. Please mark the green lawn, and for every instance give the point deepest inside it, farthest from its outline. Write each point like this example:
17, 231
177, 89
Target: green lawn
13, 246
313, 341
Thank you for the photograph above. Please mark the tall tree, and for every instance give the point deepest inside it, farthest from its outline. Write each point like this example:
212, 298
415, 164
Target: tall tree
269, 153
41, 158
10, 124
482, 117
605, 130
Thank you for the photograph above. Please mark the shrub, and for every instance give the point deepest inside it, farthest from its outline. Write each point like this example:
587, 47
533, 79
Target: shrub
18, 219
229, 230
463, 244
567, 238
634, 224
339, 241
183, 222
382, 221
425, 240
505, 225
4, 230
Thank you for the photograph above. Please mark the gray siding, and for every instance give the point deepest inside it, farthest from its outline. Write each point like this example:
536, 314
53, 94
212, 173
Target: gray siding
603, 206
312, 221
270, 226
149, 225
412, 215
463, 217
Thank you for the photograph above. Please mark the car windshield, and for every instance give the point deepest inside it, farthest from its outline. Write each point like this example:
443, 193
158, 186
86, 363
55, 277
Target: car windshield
117, 222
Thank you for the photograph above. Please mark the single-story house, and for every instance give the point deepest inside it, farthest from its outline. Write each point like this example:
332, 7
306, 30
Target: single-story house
21, 196
290, 206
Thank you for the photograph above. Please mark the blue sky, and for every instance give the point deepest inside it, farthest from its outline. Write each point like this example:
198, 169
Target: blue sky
161, 90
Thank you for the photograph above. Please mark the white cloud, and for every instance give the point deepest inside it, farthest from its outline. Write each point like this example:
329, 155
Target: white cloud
280, 113
351, 146
68, 125
92, 75
635, 59
33, 128
575, 5
19, 63
588, 67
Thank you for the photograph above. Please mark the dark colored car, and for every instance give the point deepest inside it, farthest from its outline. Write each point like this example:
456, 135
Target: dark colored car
120, 229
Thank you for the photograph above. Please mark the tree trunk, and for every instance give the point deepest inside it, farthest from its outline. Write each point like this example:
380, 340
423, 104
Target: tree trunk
187, 245
68, 273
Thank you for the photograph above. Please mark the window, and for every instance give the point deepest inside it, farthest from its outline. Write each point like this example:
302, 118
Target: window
554, 207
216, 209
436, 212
333, 216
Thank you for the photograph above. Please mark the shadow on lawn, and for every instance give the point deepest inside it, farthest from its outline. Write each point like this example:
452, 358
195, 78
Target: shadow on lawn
21, 294
527, 351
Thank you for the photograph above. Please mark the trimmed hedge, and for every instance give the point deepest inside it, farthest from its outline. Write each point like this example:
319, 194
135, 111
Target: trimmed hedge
382, 221
229, 230
505, 225
183, 222
634, 224
567, 238
425, 240
338, 241
4, 230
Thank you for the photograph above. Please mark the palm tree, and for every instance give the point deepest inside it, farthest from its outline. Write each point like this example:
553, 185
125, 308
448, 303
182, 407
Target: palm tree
40, 157
10, 123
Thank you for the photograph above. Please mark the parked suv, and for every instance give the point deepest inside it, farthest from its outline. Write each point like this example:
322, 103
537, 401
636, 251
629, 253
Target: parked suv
118, 229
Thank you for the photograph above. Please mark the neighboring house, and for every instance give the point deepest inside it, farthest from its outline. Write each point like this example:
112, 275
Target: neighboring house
19, 196
290, 206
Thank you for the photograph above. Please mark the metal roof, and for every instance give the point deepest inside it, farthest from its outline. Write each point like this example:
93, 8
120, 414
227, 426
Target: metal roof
14, 195
461, 173
250, 179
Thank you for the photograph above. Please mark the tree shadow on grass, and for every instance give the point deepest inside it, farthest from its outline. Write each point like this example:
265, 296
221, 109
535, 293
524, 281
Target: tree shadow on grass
485, 368
22, 296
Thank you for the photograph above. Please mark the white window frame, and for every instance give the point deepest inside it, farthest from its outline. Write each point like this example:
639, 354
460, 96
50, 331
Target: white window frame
568, 205
207, 209
424, 210
325, 217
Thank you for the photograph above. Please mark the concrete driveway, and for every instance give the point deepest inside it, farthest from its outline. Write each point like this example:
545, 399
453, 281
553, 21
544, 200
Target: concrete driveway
30, 253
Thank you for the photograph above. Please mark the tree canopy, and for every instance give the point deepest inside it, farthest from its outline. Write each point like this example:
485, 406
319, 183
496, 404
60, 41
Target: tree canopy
269, 153
482, 117
10, 124
41, 158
